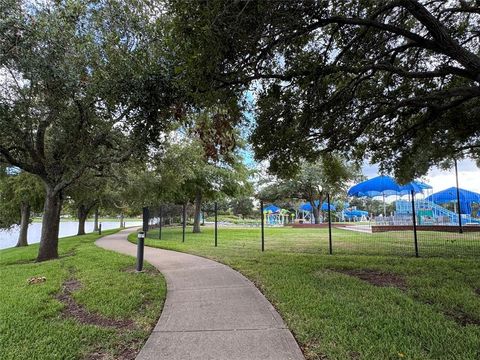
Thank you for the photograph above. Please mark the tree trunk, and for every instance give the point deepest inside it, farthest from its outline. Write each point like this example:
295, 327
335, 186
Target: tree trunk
95, 220
24, 222
121, 221
50, 225
198, 210
316, 215
82, 218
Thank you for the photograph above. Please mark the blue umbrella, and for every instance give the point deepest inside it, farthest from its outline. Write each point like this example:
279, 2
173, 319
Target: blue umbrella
385, 186
416, 187
355, 213
422, 185
377, 186
308, 207
271, 208
450, 195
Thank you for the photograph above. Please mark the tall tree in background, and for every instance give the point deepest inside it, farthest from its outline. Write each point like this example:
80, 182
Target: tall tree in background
20, 195
198, 180
396, 82
85, 195
329, 175
75, 79
221, 171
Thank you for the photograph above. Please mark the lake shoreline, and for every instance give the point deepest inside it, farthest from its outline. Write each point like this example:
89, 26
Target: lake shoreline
8, 238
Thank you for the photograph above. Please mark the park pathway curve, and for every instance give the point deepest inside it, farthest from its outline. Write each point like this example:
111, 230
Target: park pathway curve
211, 311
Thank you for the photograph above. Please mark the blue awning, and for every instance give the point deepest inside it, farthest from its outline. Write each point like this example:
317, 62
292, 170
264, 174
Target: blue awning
271, 208
450, 196
385, 186
308, 207
355, 213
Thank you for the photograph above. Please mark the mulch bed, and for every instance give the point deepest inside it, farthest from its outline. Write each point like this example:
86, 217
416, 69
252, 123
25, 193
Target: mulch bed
376, 278
462, 318
78, 312
383, 279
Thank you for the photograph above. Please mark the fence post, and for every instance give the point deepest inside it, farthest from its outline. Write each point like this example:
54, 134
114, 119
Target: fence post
216, 224
160, 223
262, 225
460, 229
414, 219
330, 250
184, 225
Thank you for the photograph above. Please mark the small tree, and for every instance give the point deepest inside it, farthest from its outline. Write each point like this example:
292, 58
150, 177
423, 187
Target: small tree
242, 206
328, 175
185, 175
20, 195
86, 195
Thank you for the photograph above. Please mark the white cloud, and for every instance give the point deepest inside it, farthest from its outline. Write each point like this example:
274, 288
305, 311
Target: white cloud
468, 177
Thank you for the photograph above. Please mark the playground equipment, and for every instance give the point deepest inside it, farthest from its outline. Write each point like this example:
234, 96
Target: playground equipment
276, 216
429, 213
451, 195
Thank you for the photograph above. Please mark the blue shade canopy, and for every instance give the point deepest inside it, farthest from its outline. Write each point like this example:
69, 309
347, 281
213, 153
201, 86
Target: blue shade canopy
450, 195
355, 213
407, 189
271, 208
422, 185
308, 207
385, 185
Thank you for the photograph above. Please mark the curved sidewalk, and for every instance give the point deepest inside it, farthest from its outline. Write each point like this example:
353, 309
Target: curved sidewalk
211, 311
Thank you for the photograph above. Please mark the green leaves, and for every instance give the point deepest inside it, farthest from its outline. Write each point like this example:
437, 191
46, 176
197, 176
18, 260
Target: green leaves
15, 190
374, 80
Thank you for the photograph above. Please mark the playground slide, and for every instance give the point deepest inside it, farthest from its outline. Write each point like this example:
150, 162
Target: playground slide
437, 210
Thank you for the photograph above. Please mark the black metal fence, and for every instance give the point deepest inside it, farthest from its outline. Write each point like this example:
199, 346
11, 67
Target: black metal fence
406, 235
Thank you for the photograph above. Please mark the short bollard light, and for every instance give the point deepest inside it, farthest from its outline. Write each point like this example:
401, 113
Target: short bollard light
140, 245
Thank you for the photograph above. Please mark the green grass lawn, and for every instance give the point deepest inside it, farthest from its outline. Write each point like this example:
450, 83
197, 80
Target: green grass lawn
35, 324
430, 311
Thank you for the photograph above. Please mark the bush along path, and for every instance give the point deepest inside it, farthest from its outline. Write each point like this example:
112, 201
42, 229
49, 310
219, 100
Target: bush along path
211, 311
88, 304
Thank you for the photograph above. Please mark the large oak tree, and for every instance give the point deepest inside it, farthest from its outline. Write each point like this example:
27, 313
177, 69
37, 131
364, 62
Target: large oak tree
80, 84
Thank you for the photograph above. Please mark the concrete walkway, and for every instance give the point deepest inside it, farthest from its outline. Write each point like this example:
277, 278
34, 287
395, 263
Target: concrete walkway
211, 311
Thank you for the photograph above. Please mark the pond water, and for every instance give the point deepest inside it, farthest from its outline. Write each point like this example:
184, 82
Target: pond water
67, 228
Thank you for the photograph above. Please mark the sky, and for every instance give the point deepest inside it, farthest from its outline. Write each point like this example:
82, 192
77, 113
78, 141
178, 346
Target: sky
468, 176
